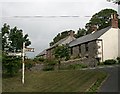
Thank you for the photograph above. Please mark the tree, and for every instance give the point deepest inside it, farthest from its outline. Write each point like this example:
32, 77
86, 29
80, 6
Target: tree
80, 32
60, 36
5, 31
12, 40
101, 19
10, 65
115, 1
61, 52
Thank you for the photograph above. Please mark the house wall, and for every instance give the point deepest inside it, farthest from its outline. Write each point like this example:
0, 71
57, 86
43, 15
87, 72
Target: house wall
89, 56
75, 51
49, 54
118, 42
110, 44
83, 51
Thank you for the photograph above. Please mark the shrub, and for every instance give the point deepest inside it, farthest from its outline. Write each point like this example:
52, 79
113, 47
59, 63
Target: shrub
118, 59
10, 65
109, 62
48, 68
49, 65
41, 59
77, 66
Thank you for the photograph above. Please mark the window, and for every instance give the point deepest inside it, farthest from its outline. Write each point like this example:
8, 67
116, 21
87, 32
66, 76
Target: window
71, 51
86, 46
79, 48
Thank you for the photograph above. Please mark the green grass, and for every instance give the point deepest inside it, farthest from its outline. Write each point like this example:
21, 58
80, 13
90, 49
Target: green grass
53, 81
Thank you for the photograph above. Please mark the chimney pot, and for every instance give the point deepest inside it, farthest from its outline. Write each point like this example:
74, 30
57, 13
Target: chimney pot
114, 21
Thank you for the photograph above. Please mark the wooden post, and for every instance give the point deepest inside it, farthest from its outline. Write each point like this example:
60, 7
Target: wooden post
23, 63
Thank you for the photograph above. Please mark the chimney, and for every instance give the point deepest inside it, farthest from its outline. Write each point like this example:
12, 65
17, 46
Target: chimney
71, 33
94, 28
114, 21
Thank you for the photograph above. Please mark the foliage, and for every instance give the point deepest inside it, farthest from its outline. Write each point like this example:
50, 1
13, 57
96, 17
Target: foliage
41, 59
48, 68
118, 59
49, 65
115, 1
29, 63
101, 19
77, 66
11, 65
12, 38
80, 32
12, 41
61, 52
109, 62
60, 36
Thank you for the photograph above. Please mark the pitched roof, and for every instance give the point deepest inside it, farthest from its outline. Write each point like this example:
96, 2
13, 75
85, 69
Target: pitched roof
89, 37
65, 40
42, 53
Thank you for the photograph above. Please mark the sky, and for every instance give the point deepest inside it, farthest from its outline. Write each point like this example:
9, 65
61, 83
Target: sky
25, 14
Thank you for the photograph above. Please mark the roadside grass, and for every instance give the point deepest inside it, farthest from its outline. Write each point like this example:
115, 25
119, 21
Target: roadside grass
53, 81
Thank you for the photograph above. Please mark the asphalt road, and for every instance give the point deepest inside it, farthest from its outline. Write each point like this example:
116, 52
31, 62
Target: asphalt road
112, 83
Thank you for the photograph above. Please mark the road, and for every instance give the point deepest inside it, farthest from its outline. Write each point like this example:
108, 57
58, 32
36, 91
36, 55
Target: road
111, 83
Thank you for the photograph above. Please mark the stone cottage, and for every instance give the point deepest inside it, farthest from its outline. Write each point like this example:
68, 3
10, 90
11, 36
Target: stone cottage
64, 41
42, 54
99, 45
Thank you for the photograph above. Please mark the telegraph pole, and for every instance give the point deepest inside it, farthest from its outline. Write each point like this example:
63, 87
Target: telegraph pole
23, 63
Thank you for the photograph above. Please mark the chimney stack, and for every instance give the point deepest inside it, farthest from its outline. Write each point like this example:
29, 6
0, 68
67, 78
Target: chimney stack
71, 33
114, 21
94, 28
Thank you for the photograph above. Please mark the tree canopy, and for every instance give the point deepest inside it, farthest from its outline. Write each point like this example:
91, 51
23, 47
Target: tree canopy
12, 41
61, 52
115, 1
101, 19
12, 38
60, 36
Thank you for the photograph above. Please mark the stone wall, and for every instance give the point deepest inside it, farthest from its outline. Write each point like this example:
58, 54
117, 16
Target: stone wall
87, 57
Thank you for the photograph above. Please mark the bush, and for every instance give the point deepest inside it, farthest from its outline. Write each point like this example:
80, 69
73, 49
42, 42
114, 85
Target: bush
29, 64
48, 68
49, 65
110, 62
10, 65
41, 59
118, 59
77, 66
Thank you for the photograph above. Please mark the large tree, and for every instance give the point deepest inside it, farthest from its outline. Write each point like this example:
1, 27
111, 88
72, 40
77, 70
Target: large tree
12, 38
101, 19
115, 1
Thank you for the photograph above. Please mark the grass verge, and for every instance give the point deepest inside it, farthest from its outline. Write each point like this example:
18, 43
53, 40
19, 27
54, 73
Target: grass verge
54, 81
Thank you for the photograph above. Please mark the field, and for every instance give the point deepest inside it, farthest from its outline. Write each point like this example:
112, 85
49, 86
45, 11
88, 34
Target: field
53, 81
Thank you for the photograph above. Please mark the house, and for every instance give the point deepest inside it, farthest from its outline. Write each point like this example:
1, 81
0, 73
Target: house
99, 45
64, 41
42, 54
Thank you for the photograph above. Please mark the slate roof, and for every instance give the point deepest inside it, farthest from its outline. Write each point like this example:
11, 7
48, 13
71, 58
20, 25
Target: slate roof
42, 53
89, 37
62, 41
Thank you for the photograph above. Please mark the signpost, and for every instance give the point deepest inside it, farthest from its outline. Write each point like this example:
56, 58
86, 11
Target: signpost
23, 59
23, 64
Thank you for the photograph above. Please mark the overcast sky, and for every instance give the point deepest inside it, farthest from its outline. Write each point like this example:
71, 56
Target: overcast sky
42, 30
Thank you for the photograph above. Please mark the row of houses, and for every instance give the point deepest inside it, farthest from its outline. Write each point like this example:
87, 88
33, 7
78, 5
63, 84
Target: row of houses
100, 45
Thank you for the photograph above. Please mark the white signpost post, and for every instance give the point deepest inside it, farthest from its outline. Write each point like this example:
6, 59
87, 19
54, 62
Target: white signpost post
23, 64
